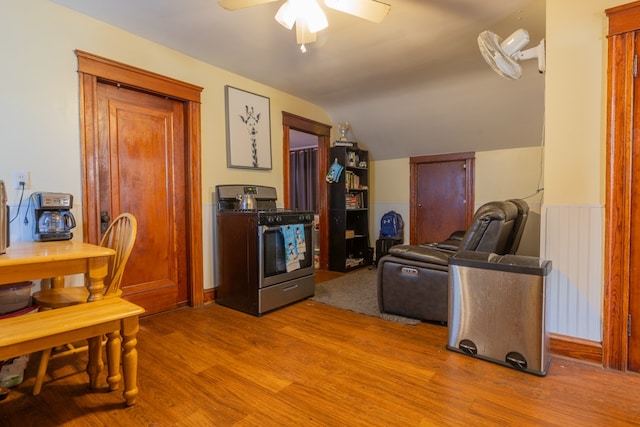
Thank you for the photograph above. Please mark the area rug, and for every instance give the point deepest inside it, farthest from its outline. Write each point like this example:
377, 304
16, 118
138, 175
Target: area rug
356, 291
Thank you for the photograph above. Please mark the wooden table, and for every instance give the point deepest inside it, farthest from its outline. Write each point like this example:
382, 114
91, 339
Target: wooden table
37, 260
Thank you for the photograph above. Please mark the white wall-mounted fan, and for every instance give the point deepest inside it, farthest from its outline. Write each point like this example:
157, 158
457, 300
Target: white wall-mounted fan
309, 18
503, 55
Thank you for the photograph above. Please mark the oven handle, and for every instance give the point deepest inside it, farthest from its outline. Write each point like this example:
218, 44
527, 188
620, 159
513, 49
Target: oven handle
267, 228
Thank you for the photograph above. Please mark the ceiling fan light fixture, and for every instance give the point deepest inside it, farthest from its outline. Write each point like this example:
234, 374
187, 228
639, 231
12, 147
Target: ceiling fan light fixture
316, 19
308, 16
304, 35
309, 11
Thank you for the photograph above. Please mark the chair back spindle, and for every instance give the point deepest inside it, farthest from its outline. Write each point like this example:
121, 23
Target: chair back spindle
120, 236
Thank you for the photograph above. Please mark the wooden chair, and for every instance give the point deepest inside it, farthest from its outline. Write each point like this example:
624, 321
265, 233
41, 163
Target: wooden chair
120, 236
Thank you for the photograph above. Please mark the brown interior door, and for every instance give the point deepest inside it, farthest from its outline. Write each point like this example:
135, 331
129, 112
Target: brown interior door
441, 196
141, 169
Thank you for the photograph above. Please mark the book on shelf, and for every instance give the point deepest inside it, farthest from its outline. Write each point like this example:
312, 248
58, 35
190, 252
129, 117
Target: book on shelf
340, 143
354, 200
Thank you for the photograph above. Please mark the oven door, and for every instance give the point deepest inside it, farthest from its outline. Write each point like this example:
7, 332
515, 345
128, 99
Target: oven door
277, 246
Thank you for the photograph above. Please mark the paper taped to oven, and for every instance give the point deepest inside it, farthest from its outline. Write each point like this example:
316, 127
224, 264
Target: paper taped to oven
295, 245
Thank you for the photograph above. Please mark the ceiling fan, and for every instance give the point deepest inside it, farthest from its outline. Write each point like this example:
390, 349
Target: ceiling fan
503, 55
309, 17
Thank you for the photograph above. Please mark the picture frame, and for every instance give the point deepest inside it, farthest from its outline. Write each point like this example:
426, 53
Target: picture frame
248, 126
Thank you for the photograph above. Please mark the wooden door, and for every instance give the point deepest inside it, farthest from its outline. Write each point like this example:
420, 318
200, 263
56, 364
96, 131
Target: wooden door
621, 323
141, 170
94, 71
441, 196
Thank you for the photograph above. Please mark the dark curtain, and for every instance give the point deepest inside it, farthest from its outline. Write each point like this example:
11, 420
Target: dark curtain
303, 182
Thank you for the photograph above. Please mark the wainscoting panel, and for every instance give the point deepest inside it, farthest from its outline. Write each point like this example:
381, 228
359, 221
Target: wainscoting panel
572, 238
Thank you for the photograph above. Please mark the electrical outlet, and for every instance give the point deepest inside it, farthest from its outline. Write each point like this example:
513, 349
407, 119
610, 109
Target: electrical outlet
18, 178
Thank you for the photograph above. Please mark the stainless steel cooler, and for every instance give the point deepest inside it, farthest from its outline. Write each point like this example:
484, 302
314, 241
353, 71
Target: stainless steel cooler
497, 309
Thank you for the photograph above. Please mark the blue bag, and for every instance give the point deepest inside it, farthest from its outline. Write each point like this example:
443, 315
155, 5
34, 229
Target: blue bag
392, 225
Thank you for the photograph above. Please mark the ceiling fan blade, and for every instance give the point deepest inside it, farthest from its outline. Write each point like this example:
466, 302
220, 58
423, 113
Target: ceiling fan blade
241, 4
371, 10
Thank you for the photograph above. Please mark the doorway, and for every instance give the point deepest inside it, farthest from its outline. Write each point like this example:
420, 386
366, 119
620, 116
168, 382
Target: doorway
119, 104
303, 171
322, 133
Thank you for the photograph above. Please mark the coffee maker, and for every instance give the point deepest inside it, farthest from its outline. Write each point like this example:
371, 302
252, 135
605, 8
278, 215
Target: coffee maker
52, 219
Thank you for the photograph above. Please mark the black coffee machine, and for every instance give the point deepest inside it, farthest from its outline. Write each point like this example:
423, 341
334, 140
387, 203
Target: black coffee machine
52, 219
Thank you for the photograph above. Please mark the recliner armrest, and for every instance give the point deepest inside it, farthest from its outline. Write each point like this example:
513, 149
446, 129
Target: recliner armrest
421, 253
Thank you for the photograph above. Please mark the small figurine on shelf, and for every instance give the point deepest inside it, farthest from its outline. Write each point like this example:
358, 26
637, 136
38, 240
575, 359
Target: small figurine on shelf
343, 128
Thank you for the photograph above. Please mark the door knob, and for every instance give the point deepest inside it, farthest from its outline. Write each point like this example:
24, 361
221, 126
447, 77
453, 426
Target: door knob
104, 221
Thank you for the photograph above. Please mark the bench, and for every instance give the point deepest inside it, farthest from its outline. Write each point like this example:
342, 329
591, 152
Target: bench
113, 317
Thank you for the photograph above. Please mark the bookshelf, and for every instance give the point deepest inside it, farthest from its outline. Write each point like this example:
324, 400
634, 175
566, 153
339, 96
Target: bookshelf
349, 210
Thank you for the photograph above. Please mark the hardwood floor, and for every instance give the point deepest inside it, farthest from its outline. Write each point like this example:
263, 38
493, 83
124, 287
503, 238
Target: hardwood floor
314, 365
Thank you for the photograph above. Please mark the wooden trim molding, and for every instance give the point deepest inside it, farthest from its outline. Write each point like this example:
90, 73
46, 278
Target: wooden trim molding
118, 72
623, 21
93, 69
575, 348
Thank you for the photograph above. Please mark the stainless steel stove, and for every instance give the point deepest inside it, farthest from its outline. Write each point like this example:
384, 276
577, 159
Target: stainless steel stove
263, 256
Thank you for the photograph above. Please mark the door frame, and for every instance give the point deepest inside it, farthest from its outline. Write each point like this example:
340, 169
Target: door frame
623, 22
93, 69
414, 162
323, 132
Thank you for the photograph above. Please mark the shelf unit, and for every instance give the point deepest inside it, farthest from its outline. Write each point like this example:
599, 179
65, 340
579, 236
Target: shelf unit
349, 210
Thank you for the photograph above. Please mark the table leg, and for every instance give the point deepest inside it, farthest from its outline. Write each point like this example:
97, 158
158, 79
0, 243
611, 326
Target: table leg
114, 349
98, 268
130, 358
95, 365
57, 282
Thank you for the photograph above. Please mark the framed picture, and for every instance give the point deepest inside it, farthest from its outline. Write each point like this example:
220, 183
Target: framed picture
248, 129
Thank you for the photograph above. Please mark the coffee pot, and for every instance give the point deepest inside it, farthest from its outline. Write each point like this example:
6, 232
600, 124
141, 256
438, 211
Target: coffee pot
52, 217
56, 222
247, 201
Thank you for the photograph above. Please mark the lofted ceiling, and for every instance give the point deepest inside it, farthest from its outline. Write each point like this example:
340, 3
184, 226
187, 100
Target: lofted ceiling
412, 85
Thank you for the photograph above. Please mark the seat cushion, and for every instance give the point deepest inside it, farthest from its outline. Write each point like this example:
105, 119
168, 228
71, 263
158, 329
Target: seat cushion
412, 289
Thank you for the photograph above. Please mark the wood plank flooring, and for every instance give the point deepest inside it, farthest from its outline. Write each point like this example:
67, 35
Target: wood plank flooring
314, 365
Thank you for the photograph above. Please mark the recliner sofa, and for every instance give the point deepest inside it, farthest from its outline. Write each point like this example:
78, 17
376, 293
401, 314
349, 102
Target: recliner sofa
413, 279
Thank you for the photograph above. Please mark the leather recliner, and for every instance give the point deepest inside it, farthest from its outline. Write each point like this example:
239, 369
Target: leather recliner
452, 243
413, 279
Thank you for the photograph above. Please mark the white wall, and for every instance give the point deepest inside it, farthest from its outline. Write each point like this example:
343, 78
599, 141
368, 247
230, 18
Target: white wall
573, 211
40, 108
389, 192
